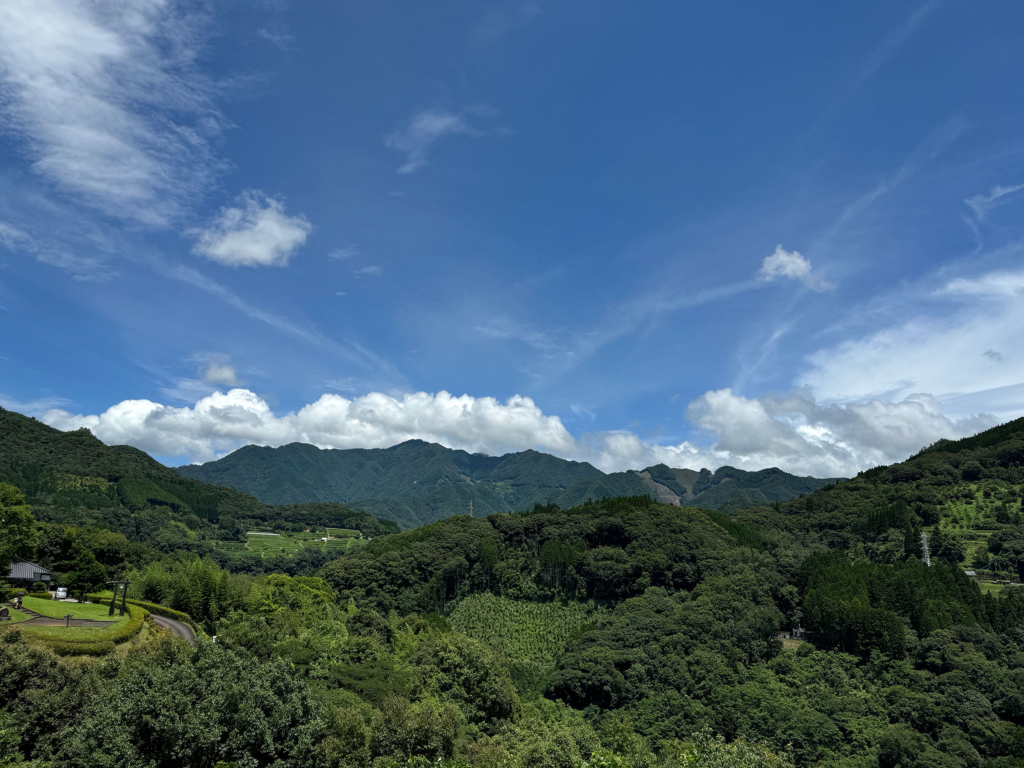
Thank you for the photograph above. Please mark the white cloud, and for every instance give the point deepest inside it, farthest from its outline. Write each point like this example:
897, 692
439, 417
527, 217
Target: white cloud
791, 431
425, 128
258, 233
982, 204
341, 254
795, 432
937, 349
791, 265
366, 271
224, 421
220, 373
106, 101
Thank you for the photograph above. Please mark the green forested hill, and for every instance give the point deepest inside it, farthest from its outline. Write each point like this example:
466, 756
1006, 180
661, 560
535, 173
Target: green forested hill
963, 496
72, 478
417, 482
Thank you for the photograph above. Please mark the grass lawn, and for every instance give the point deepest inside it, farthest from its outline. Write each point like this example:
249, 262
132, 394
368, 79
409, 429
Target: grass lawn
988, 587
16, 616
59, 609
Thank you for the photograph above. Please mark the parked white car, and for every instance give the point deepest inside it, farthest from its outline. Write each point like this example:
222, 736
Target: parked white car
62, 593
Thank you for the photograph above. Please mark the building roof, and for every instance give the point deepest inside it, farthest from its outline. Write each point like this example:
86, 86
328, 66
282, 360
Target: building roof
23, 569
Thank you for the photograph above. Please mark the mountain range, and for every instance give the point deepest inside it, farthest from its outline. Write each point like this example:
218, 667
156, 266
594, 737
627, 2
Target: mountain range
73, 479
416, 482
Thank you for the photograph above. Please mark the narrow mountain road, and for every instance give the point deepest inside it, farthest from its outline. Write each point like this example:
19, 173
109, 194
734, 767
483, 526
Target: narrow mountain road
179, 629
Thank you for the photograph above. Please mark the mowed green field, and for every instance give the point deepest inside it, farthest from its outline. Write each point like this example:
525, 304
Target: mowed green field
58, 609
292, 543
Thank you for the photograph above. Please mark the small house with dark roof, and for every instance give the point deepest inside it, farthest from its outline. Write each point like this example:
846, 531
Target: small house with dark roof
24, 573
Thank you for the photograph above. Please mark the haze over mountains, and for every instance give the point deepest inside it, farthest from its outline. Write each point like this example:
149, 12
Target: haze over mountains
416, 482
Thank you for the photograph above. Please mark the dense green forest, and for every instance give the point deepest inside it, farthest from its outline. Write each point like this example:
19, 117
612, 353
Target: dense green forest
73, 479
417, 482
617, 632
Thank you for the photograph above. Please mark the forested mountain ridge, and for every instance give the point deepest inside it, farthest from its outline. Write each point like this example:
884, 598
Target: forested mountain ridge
417, 482
72, 478
727, 488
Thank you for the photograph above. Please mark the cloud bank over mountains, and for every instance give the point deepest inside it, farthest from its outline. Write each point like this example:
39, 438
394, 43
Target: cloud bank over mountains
791, 431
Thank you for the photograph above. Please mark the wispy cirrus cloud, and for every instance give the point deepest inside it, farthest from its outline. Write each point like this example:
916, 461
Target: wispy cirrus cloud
424, 130
45, 250
105, 100
502, 19
982, 204
888, 47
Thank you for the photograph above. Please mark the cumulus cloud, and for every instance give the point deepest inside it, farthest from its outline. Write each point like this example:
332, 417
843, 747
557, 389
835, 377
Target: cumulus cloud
791, 431
224, 421
257, 233
793, 266
106, 101
794, 431
423, 130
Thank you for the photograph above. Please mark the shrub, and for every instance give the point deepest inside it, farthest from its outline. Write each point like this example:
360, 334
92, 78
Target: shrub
91, 648
41, 595
97, 647
40, 586
154, 608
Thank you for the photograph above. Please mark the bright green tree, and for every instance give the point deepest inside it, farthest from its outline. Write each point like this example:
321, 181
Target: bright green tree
17, 526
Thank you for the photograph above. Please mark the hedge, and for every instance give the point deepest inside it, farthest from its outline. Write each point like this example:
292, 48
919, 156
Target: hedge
40, 595
154, 608
95, 647
70, 648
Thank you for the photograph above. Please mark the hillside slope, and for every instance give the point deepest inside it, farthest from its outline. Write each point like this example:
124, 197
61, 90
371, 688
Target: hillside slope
961, 498
417, 482
73, 478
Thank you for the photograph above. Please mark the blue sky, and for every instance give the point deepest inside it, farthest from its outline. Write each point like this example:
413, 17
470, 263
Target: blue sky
703, 234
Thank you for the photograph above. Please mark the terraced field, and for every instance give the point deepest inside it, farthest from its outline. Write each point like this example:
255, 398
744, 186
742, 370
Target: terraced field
270, 544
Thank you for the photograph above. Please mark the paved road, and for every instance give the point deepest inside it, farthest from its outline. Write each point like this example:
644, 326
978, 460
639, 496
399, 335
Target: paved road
184, 631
